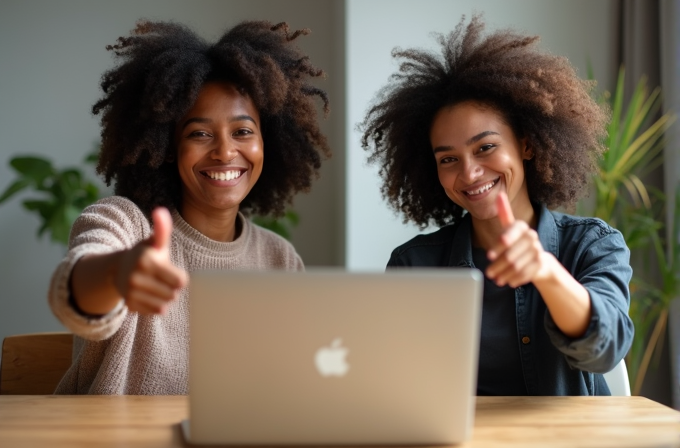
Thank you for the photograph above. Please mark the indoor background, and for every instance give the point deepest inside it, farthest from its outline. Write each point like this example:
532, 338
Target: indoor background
52, 55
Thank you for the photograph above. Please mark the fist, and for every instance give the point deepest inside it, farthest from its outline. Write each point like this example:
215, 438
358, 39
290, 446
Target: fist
518, 257
146, 279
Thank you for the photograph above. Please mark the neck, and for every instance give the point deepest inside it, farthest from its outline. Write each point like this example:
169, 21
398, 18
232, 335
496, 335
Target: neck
218, 225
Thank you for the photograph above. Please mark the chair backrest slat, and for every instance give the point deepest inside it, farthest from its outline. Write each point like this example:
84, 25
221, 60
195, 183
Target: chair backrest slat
33, 364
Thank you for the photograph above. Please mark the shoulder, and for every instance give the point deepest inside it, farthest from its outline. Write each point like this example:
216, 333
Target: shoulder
114, 216
584, 230
424, 250
273, 250
116, 208
266, 236
587, 240
581, 224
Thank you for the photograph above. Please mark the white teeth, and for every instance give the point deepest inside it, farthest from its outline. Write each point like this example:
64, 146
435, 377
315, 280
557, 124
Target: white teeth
223, 175
481, 190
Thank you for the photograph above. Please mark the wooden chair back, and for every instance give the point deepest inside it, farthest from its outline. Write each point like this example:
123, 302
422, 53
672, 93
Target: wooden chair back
33, 364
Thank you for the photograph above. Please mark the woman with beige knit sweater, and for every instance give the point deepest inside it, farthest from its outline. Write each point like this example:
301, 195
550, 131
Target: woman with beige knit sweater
185, 125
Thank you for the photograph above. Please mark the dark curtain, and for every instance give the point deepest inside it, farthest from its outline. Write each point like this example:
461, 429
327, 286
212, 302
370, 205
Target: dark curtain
670, 83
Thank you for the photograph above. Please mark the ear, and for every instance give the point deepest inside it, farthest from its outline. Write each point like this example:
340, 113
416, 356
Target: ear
528, 151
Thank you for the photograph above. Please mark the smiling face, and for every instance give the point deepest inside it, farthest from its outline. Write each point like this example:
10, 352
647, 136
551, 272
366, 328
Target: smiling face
478, 155
219, 150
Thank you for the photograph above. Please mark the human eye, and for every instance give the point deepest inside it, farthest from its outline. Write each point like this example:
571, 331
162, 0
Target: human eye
486, 147
447, 159
242, 132
199, 134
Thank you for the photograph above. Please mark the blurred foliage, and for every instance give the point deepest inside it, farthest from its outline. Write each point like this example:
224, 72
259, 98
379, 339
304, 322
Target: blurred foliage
635, 142
61, 194
281, 226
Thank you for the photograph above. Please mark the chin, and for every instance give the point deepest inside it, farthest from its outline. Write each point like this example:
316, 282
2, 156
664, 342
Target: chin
483, 215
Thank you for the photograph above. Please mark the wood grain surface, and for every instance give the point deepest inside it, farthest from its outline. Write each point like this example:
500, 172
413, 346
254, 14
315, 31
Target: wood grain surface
153, 421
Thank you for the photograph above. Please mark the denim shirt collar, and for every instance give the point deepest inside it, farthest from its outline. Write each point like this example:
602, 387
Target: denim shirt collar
547, 230
461, 247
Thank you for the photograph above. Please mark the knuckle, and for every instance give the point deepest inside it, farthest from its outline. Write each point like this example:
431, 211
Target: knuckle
134, 281
145, 261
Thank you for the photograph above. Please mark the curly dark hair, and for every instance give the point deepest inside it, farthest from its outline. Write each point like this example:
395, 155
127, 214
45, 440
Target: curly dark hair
539, 95
163, 67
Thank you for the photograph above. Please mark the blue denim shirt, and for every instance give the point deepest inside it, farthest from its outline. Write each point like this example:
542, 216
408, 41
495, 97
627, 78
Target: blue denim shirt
597, 256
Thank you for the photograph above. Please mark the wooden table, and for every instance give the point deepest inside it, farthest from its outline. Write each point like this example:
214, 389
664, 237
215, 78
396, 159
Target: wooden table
135, 421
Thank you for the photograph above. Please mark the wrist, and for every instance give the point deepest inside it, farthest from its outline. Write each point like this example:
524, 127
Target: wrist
548, 271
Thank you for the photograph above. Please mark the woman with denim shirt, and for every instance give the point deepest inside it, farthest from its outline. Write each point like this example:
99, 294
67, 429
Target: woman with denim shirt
484, 141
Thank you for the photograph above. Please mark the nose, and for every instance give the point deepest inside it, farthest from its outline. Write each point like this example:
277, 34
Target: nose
471, 171
225, 149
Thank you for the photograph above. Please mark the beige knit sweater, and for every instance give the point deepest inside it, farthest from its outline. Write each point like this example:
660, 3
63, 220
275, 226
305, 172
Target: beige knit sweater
129, 353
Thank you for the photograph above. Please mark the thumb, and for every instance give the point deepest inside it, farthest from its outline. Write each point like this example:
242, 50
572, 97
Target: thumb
162, 228
504, 210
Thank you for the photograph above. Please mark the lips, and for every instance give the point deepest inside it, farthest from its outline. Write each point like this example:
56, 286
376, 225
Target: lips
481, 188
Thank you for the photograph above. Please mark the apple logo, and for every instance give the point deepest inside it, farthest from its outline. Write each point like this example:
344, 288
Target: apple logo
330, 361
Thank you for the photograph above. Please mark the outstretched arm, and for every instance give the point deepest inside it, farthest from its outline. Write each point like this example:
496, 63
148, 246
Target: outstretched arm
519, 258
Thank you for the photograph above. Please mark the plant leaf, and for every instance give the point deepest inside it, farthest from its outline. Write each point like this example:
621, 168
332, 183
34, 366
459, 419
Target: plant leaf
45, 208
92, 157
33, 167
71, 181
14, 188
642, 190
59, 225
641, 143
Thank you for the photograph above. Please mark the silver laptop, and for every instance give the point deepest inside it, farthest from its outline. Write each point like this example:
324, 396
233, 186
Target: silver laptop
331, 357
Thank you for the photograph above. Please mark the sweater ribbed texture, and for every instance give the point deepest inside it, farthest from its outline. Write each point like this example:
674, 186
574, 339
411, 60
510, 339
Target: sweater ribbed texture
130, 353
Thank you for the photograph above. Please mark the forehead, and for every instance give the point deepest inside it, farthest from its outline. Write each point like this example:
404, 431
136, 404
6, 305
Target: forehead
466, 119
218, 97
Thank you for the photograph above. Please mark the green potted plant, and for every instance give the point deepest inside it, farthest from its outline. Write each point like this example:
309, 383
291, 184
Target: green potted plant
62, 193
635, 145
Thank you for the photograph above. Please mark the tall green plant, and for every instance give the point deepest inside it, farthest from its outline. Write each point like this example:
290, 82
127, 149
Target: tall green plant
649, 310
635, 143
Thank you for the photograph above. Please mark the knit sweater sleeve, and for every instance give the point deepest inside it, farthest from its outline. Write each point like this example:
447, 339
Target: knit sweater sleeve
110, 225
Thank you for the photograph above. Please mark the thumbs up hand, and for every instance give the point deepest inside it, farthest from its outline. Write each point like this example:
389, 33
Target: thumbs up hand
146, 278
517, 257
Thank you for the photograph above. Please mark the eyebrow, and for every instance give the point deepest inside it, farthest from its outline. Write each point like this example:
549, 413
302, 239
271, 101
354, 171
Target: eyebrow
470, 141
208, 120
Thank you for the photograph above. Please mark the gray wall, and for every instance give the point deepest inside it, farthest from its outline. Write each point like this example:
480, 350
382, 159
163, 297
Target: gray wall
51, 58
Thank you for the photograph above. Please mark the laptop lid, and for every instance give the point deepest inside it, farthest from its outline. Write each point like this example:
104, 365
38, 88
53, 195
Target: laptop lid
331, 357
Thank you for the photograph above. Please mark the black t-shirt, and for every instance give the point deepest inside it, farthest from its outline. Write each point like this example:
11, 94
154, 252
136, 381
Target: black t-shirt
500, 366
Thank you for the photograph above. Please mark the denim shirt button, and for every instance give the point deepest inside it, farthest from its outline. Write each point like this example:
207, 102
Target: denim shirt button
526, 340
